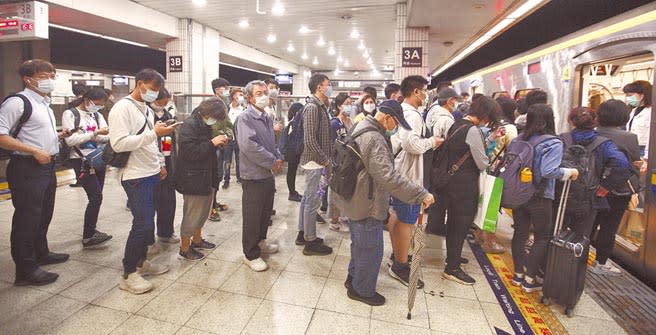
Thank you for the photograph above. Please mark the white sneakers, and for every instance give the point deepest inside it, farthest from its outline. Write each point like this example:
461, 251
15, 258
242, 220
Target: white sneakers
154, 250
172, 240
268, 248
135, 284
342, 225
152, 269
605, 269
257, 265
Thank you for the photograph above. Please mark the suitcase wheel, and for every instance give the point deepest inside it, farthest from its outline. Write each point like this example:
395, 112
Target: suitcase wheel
569, 312
545, 301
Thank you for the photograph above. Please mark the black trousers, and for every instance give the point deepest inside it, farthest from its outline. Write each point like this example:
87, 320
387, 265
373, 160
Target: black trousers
437, 216
33, 189
76, 164
292, 168
608, 221
537, 212
165, 202
257, 204
461, 197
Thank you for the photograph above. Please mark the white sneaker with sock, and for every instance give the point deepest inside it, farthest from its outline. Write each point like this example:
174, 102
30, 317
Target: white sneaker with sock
149, 268
154, 250
268, 248
135, 284
173, 239
605, 269
257, 265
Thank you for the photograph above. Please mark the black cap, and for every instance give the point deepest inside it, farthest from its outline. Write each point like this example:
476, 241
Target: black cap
393, 108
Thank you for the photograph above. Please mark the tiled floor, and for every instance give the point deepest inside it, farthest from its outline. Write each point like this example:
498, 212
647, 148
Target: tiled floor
298, 295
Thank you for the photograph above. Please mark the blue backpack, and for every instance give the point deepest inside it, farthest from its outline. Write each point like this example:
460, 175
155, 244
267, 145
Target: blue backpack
519, 155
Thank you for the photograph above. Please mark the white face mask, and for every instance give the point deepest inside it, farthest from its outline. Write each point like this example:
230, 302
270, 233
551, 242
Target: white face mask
262, 101
149, 96
347, 109
240, 99
93, 108
369, 107
273, 94
210, 121
46, 86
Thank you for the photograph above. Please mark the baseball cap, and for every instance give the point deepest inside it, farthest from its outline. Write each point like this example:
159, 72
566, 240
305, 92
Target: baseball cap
394, 109
447, 93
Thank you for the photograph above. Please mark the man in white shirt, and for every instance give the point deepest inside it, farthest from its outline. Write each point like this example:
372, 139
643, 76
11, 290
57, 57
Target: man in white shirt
232, 149
33, 145
134, 130
409, 147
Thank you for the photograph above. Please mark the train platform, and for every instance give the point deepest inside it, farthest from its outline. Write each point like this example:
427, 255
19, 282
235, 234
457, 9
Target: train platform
297, 295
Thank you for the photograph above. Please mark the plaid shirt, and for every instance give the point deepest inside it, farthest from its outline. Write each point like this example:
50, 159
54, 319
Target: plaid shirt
316, 133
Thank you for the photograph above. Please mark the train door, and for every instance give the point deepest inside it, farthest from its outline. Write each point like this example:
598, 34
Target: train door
603, 80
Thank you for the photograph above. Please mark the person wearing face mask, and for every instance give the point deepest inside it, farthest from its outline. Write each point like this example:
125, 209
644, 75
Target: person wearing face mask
340, 125
638, 97
370, 203
89, 133
232, 149
272, 108
196, 174
409, 148
315, 157
31, 172
260, 161
164, 192
367, 107
221, 127
134, 130
221, 89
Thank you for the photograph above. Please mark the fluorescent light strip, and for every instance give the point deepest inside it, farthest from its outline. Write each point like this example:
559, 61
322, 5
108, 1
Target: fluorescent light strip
501, 25
84, 32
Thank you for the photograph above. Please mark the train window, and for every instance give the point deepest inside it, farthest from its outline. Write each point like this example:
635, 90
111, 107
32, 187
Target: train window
519, 94
500, 94
534, 68
603, 81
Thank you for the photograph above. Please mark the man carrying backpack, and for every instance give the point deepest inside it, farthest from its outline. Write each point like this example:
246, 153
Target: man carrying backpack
377, 180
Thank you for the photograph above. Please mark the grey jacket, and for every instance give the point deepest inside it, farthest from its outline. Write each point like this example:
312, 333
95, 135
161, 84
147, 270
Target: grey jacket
378, 180
257, 148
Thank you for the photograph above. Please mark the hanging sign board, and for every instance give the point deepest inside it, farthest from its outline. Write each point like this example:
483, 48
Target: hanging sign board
412, 57
175, 63
23, 21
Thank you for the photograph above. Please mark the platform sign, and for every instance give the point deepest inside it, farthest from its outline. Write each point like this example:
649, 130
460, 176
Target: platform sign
412, 57
175, 63
23, 21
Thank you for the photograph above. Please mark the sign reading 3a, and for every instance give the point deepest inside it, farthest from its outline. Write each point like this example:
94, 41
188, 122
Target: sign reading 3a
175, 63
412, 57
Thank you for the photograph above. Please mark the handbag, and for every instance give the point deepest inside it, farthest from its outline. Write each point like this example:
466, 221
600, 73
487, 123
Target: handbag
441, 172
489, 201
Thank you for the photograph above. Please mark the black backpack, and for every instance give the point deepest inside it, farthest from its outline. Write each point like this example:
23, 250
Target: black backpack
582, 190
64, 148
27, 113
346, 164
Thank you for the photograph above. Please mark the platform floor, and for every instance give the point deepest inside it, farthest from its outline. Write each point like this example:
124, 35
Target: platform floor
220, 295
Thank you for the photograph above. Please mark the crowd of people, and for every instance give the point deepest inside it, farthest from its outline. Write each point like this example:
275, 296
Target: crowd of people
396, 139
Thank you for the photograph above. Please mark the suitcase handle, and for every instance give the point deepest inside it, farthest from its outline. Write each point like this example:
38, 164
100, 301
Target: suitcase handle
560, 216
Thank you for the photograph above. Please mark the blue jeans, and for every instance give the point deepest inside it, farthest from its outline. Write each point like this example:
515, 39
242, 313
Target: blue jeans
366, 255
307, 217
142, 206
231, 149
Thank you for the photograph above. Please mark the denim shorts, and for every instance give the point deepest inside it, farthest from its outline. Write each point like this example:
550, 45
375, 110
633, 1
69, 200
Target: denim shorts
406, 213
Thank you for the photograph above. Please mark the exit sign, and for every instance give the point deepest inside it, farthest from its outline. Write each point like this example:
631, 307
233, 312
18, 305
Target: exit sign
23, 21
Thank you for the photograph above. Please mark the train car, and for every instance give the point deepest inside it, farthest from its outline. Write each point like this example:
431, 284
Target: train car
584, 69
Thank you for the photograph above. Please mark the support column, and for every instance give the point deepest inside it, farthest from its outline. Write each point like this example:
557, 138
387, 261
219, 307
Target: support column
198, 46
409, 38
301, 82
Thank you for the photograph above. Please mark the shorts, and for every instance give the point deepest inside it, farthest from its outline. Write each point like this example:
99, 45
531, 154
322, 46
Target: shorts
406, 213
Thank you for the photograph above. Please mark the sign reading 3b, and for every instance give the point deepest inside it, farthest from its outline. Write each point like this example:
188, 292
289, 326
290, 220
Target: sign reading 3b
23, 21
412, 57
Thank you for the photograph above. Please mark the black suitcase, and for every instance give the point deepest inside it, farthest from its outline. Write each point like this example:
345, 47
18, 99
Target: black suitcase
566, 265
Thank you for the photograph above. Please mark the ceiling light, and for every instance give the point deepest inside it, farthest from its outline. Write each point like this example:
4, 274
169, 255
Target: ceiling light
361, 45
304, 30
388, 68
321, 42
315, 61
278, 9
365, 54
304, 55
355, 34
336, 73
372, 66
369, 61
271, 38
199, 2
376, 73
339, 59
290, 48
331, 51
356, 73
346, 63
244, 24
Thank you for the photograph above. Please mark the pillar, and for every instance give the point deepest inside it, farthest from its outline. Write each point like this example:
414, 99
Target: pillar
406, 37
301, 81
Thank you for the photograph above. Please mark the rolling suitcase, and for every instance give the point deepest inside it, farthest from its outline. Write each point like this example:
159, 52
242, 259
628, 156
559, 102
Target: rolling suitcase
566, 265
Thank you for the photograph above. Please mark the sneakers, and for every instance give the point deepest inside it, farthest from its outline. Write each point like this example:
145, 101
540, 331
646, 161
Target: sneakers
463, 261
98, 238
605, 269
300, 238
214, 215
295, 197
172, 240
135, 284
533, 287
341, 226
203, 245
376, 300
191, 255
77, 184
316, 248
37, 278
154, 250
267, 248
348, 283
517, 279
401, 272
391, 260
458, 276
221, 207
226, 184
257, 265
53, 258
152, 269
